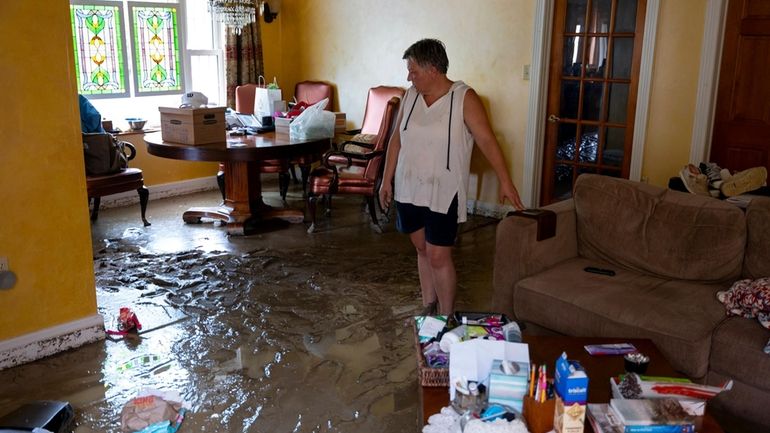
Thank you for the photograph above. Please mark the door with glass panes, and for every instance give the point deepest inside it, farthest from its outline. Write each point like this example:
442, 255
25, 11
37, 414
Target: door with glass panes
593, 73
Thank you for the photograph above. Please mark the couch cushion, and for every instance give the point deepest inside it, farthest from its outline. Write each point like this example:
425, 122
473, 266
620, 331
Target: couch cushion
677, 315
756, 263
737, 351
660, 232
746, 405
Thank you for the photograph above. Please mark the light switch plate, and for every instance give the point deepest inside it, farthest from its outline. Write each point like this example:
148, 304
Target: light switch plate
525, 73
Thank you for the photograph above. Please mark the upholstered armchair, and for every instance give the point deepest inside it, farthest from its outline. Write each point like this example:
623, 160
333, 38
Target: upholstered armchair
361, 175
361, 139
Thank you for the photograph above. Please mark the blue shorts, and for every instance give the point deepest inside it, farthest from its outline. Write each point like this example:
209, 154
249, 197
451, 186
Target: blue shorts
440, 229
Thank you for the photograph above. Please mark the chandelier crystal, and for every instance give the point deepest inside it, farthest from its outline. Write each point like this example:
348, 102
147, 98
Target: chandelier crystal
234, 13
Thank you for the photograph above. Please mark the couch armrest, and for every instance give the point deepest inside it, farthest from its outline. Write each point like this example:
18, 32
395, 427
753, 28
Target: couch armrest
518, 254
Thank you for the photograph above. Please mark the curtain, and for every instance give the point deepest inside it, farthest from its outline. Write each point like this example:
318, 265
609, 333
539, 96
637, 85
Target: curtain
243, 58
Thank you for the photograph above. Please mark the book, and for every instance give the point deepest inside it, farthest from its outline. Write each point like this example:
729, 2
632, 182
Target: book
662, 415
610, 349
602, 419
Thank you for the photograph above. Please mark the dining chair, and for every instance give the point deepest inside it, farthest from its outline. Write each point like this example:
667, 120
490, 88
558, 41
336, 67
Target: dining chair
360, 178
376, 102
127, 179
310, 92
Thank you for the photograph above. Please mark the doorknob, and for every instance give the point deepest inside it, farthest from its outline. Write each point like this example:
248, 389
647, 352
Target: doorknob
554, 118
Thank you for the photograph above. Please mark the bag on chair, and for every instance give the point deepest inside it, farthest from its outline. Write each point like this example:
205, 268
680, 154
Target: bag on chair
265, 98
105, 154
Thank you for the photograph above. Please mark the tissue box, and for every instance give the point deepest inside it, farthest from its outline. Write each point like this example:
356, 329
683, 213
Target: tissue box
570, 380
569, 417
508, 389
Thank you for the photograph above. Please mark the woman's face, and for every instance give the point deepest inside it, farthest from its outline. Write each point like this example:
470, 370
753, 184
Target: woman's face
420, 76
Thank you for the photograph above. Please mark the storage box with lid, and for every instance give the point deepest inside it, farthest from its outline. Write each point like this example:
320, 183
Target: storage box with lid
282, 126
193, 125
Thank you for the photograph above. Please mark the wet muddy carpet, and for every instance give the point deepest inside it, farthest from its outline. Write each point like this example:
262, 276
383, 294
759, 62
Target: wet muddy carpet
267, 345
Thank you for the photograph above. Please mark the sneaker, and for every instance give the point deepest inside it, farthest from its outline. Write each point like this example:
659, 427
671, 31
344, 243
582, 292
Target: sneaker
712, 172
695, 181
744, 181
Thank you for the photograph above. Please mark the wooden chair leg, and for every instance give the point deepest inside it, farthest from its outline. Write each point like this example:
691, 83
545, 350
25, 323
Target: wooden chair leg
221, 183
305, 171
311, 205
95, 210
373, 213
144, 197
283, 184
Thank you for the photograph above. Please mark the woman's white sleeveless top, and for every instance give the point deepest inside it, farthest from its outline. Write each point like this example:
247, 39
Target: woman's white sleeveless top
435, 157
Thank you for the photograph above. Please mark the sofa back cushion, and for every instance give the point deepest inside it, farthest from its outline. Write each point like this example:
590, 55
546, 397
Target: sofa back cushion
757, 261
659, 232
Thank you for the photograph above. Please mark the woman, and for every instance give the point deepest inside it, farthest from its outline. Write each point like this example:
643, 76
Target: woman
429, 155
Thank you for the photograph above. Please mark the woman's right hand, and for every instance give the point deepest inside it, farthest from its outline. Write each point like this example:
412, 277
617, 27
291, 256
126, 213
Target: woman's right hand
386, 195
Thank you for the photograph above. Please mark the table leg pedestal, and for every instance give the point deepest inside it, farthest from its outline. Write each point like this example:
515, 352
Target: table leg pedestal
243, 204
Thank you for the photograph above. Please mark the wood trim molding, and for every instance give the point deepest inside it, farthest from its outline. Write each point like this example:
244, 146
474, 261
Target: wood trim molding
171, 189
49, 341
708, 80
643, 95
538, 95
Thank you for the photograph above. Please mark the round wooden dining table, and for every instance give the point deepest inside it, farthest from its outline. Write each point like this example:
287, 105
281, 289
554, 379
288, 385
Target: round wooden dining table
243, 205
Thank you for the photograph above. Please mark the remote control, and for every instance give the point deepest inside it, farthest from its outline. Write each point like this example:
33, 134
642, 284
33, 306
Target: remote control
601, 271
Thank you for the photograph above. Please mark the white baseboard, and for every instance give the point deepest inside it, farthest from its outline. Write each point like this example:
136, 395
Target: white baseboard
49, 341
498, 211
164, 190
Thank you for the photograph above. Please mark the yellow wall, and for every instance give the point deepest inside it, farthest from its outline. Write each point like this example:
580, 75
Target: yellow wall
356, 45
674, 88
44, 227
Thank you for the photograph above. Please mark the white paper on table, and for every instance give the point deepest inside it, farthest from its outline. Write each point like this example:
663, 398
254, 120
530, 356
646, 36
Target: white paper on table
472, 359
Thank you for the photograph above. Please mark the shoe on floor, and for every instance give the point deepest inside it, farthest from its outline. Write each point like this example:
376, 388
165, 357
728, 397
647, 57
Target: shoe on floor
695, 181
744, 181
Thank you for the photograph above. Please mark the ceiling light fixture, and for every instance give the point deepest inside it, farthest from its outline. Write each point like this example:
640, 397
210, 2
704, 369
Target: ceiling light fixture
234, 13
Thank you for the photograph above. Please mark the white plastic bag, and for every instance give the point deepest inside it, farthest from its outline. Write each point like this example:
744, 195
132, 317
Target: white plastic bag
313, 123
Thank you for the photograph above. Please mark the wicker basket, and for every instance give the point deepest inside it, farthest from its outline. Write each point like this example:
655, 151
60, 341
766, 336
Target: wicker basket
428, 376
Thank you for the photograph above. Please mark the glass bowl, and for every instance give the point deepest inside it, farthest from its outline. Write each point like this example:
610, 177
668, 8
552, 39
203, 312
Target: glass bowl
136, 123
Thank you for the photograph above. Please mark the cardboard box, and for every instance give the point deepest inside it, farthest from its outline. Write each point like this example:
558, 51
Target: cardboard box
282, 126
193, 125
569, 418
570, 380
508, 389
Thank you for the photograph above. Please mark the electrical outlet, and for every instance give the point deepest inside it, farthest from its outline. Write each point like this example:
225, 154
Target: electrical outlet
3, 264
525, 74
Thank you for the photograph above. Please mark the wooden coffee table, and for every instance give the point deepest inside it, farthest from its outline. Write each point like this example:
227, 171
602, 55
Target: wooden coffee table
545, 350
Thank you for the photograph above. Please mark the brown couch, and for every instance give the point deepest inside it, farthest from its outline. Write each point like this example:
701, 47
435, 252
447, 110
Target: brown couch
671, 252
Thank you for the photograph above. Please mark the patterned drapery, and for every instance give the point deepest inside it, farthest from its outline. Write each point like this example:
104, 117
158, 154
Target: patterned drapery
243, 58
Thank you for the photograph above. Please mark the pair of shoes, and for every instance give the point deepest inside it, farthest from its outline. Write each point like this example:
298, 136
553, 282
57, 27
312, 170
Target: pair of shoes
744, 181
713, 172
695, 181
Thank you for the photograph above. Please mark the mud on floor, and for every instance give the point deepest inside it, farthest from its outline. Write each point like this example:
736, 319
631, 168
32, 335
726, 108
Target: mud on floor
261, 342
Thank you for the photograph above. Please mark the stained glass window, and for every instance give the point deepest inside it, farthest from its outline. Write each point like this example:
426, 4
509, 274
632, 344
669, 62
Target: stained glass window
155, 37
99, 54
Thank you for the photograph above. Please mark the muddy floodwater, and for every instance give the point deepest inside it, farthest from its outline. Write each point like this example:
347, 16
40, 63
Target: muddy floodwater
280, 331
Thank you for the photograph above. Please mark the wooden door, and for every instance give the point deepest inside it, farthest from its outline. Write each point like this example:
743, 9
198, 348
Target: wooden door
593, 73
741, 137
